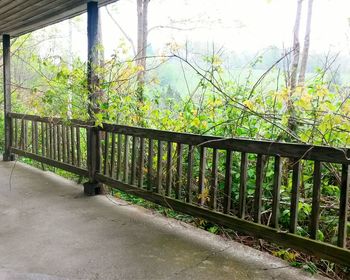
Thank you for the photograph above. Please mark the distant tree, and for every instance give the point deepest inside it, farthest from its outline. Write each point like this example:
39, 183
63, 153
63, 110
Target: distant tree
294, 67
142, 39
305, 53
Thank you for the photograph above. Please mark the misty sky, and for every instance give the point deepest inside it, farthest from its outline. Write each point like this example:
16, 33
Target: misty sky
238, 25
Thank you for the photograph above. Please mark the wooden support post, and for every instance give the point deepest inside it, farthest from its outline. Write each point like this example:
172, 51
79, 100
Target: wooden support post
7, 97
92, 187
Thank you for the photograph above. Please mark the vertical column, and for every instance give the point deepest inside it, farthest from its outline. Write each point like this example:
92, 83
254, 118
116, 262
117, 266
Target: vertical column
92, 187
7, 96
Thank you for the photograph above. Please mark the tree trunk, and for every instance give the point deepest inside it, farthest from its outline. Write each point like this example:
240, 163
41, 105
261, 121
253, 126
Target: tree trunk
142, 31
305, 54
70, 65
294, 69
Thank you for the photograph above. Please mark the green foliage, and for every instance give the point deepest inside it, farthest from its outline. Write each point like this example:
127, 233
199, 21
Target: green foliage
213, 101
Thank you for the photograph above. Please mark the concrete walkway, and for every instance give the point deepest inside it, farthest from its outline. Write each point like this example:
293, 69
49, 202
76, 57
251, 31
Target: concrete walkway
50, 230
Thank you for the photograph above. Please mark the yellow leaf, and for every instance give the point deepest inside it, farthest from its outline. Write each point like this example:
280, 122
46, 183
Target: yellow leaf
249, 104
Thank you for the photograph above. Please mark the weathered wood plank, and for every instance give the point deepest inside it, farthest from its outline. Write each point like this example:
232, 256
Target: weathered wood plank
228, 182
58, 132
258, 188
150, 165
33, 137
80, 123
25, 135
105, 153
126, 158
54, 144
243, 185
16, 145
133, 160
343, 206
141, 161
295, 196
36, 140
77, 128
178, 183
51, 162
189, 186
46, 132
316, 193
169, 169
159, 186
7, 94
68, 144
276, 192
111, 170
50, 141
119, 160
72, 140
214, 180
202, 168
64, 143
43, 139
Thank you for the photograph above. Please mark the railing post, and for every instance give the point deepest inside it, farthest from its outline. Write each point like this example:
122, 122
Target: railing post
92, 187
7, 97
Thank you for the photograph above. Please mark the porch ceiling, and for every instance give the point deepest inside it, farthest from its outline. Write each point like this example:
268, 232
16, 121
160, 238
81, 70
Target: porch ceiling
18, 17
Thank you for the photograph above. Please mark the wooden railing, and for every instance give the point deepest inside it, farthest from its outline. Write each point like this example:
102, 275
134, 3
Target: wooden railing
203, 176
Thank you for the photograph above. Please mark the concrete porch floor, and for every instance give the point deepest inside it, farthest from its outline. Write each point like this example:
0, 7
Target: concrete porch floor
50, 230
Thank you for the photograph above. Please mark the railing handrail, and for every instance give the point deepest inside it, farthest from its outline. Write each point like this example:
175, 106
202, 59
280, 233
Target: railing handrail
270, 148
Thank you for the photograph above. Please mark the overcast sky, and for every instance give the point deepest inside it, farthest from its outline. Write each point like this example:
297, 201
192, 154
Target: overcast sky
237, 25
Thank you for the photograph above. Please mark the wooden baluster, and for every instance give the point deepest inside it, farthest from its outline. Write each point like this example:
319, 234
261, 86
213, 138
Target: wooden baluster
126, 158
316, 193
276, 192
111, 171
47, 146
72, 140
22, 135
119, 159
25, 137
68, 145
258, 188
43, 139
343, 206
141, 161
214, 180
78, 146
16, 134
25, 142
50, 140
159, 167
169, 170
295, 196
105, 154
64, 144
228, 182
202, 167
133, 160
243, 186
150, 164
54, 142
178, 185
189, 174
58, 132
33, 137
36, 140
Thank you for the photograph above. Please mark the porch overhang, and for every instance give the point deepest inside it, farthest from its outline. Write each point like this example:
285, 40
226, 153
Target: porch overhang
18, 17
